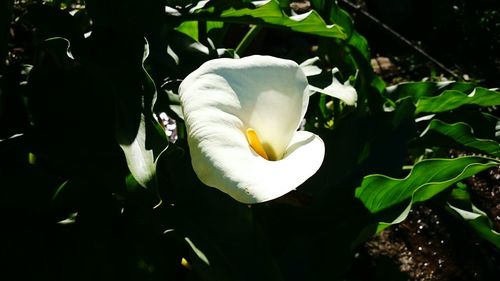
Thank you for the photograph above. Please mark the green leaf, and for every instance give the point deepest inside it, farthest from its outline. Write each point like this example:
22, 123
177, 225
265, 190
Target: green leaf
225, 242
462, 207
484, 125
49, 21
452, 99
428, 178
25, 187
378, 144
140, 160
462, 135
269, 14
188, 53
417, 90
191, 28
354, 39
149, 141
5, 17
480, 222
70, 103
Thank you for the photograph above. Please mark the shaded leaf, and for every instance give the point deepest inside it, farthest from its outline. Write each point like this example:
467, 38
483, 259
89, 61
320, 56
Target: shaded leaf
25, 188
70, 103
50, 21
222, 230
13, 112
353, 38
378, 144
150, 140
484, 125
188, 53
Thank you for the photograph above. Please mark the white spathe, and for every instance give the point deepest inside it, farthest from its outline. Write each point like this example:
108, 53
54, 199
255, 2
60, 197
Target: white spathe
224, 98
344, 92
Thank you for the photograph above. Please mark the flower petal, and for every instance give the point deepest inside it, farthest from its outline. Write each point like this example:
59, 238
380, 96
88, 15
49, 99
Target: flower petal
267, 94
222, 99
344, 92
309, 67
249, 178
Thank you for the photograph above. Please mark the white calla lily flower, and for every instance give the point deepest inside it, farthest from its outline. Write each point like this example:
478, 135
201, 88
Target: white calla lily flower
242, 117
309, 67
344, 92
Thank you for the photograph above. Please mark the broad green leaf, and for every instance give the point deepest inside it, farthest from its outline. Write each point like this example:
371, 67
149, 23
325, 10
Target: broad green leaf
428, 178
342, 18
484, 125
452, 99
463, 135
480, 222
417, 90
190, 28
149, 141
378, 144
269, 13
461, 205
140, 160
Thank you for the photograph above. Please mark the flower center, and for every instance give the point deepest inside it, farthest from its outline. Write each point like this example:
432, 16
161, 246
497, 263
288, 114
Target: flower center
260, 148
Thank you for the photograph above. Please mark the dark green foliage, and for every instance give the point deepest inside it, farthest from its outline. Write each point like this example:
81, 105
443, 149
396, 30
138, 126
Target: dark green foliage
92, 189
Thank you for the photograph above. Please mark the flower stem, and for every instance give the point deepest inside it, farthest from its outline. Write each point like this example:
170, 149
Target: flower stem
248, 39
202, 32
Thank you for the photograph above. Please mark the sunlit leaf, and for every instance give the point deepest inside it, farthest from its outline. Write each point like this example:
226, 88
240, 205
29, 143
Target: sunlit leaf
149, 141
480, 222
483, 124
452, 99
140, 160
428, 178
190, 28
269, 13
417, 90
461, 134
462, 206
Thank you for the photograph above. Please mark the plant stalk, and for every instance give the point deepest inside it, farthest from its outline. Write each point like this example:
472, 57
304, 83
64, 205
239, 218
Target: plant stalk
248, 39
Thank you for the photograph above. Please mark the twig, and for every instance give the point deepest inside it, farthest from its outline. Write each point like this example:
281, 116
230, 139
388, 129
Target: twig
402, 38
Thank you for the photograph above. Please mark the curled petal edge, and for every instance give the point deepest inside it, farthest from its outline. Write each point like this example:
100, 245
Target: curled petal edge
250, 179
